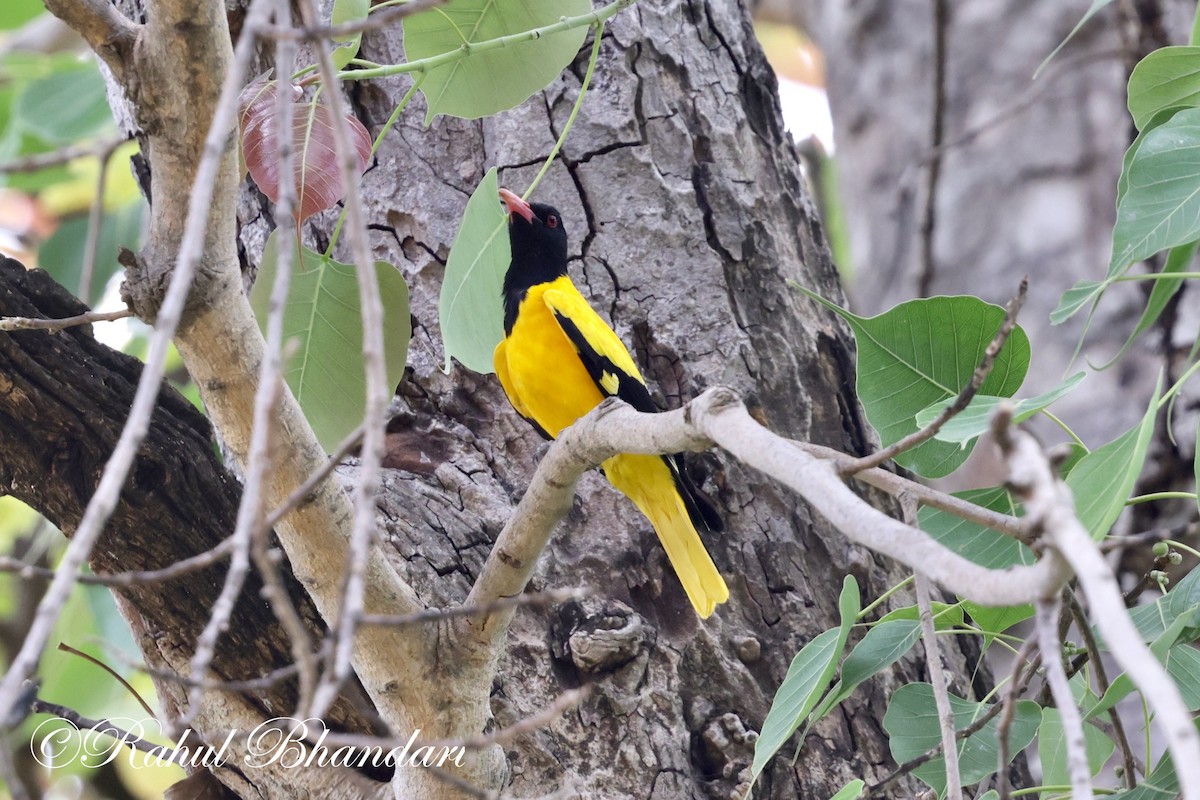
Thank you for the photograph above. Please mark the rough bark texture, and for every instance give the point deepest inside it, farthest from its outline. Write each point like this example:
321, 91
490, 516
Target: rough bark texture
688, 217
63, 400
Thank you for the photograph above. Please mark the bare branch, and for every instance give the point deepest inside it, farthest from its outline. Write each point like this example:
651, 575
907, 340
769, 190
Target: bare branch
719, 416
941, 693
104, 727
374, 21
305, 490
33, 323
960, 403
898, 486
64, 155
362, 538
132, 578
1132, 767
1068, 712
95, 216
103, 27
1048, 503
107, 493
1008, 708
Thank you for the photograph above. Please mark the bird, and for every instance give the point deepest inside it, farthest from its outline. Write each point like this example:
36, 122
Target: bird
559, 359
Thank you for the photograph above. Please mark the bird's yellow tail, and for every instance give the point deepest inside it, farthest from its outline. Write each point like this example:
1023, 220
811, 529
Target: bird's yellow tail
647, 481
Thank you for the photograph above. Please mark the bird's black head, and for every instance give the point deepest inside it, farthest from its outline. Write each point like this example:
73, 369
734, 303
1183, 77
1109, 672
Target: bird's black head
539, 250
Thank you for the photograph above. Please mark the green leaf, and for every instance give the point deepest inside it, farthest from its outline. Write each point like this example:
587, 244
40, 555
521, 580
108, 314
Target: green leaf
923, 352
323, 313
1075, 298
1161, 784
470, 307
1091, 12
1159, 117
484, 83
62, 254
945, 615
912, 725
65, 106
345, 11
973, 421
1183, 665
1154, 618
1178, 260
810, 673
1102, 480
851, 791
1161, 207
1052, 749
884, 645
1120, 688
1168, 77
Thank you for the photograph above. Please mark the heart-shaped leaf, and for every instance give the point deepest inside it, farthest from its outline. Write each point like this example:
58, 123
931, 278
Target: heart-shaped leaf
323, 312
489, 81
315, 170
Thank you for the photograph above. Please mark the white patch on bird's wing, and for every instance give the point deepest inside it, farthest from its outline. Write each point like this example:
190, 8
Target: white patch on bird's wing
609, 382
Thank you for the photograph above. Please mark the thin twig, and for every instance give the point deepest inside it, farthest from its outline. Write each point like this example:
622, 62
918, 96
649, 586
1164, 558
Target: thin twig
897, 486
104, 500
381, 19
239, 563
1093, 651
1048, 502
66, 648
91, 245
132, 578
941, 693
528, 599
1008, 707
105, 728
1046, 618
271, 379
36, 323
937, 132
964, 397
55, 158
362, 536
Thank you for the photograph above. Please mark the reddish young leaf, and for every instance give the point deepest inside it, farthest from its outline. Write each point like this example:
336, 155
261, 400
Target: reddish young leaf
318, 181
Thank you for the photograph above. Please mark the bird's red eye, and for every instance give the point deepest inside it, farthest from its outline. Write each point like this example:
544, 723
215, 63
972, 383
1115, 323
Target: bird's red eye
551, 221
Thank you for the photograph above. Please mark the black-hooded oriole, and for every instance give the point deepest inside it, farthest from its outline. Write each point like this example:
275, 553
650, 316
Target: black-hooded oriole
559, 360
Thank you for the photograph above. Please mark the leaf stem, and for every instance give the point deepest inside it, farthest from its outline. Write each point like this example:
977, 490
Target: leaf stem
1066, 429
1177, 385
562, 137
1156, 276
883, 597
596, 17
1151, 497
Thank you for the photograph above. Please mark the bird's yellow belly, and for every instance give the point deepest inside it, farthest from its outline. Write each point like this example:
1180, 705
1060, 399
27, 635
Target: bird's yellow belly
545, 370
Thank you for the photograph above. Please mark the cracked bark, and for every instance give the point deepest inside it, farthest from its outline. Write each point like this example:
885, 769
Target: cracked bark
680, 184
687, 216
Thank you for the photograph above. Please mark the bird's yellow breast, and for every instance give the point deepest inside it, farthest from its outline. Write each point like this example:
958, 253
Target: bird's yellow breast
545, 378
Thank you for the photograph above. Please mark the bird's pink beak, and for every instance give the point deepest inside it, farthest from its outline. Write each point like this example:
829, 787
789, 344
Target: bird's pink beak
516, 205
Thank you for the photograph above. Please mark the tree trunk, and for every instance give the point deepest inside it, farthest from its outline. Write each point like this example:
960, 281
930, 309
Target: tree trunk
688, 218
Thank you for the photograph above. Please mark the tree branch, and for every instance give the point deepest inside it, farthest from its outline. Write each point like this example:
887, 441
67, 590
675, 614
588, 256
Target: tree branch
104, 28
1049, 505
718, 416
1047, 612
